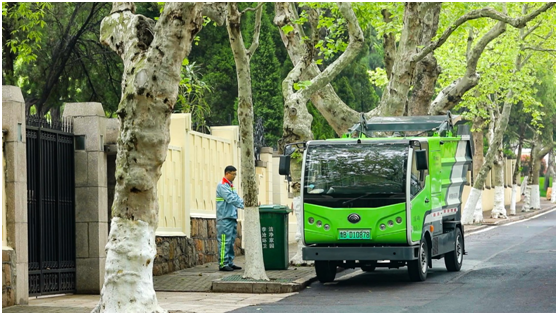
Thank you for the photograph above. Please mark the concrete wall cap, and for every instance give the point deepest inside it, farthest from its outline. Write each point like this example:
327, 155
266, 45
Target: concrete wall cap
12, 93
113, 128
83, 109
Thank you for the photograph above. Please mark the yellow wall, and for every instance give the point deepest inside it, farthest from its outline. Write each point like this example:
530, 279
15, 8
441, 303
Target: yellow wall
4, 201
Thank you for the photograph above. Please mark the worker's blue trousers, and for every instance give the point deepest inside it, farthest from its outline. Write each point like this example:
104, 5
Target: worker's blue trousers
226, 235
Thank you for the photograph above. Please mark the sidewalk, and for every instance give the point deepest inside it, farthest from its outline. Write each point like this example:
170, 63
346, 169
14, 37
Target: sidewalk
190, 290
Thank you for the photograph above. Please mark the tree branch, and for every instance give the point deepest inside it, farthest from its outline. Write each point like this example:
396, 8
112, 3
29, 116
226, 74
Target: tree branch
356, 42
477, 14
540, 49
257, 27
389, 45
216, 11
252, 9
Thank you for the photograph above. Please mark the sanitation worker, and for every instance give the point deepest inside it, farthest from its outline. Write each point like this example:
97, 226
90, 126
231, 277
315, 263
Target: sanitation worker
227, 203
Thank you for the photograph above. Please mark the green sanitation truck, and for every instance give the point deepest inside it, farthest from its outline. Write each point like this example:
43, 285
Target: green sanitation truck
371, 200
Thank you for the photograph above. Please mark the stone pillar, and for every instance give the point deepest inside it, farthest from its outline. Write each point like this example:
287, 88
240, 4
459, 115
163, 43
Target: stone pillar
89, 124
13, 121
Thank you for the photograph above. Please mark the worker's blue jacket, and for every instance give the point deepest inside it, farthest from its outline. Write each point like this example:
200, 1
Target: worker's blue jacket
227, 201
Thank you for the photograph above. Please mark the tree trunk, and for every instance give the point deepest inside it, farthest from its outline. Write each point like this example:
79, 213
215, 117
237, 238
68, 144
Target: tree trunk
553, 163
394, 98
427, 70
254, 267
471, 212
478, 158
152, 55
499, 210
536, 156
516, 172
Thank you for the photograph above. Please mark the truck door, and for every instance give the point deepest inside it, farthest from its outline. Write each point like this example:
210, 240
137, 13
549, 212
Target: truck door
420, 197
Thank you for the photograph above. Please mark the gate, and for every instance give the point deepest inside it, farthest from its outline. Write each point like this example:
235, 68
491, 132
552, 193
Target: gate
50, 207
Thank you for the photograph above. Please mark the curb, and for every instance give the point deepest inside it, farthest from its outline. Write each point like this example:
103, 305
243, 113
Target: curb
262, 286
521, 216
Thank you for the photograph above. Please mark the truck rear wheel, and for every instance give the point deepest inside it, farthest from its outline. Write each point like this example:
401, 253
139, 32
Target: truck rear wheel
454, 259
418, 269
325, 270
368, 266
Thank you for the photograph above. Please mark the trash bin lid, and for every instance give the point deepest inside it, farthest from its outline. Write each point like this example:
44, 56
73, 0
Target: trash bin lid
275, 209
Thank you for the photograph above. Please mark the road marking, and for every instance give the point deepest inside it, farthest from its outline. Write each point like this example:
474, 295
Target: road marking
480, 231
511, 223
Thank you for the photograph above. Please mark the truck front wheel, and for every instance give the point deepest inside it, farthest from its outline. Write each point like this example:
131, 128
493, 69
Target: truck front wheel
454, 259
325, 270
418, 269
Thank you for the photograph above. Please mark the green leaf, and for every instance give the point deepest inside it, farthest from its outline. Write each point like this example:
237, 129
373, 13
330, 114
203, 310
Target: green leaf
287, 29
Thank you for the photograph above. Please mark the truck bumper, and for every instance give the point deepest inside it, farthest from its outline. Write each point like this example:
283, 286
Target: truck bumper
360, 253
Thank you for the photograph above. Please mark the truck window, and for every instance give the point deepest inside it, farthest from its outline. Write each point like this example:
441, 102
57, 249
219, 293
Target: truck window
417, 181
346, 169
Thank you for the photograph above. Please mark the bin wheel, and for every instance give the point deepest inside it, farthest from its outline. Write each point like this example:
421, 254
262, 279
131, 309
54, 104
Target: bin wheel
418, 269
325, 270
368, 266
454, 259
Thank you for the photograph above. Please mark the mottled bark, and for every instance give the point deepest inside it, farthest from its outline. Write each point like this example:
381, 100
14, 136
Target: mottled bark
516, 172
426, 70
254, 267
389, 45
499, 210
152, 55
553, 164
394, 98
478, 136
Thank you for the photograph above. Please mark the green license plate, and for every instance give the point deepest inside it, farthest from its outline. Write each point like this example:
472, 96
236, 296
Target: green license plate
354, 234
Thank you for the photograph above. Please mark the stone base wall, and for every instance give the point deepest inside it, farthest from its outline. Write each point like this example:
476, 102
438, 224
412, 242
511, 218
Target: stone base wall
179, 252
173, 253
204, 234
8, 278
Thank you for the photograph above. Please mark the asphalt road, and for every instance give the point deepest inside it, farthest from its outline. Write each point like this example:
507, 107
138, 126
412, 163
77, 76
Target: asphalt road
510, 268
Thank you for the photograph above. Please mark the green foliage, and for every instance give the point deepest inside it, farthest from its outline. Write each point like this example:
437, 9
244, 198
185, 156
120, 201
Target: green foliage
320, 128
71, 65
191, 96
266, 81
214, 57
26, 19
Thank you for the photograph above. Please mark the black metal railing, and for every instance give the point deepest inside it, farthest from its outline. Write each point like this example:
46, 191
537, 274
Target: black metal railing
50, 206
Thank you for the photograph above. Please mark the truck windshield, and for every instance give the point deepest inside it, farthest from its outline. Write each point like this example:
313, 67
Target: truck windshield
352, 169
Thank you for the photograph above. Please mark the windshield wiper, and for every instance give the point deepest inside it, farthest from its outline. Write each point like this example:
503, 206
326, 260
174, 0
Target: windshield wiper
365, 195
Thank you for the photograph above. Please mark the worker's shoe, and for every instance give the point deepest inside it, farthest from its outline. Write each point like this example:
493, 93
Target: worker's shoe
226, 268
235, 267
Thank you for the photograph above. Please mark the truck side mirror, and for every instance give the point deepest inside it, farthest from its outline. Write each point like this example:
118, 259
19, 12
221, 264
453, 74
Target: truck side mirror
284, 165
422, 160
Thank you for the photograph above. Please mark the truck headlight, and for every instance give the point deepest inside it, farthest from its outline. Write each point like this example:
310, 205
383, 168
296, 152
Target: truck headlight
382, 226
311, 220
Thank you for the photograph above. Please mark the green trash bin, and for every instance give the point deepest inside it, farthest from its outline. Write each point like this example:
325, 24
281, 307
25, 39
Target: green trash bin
274, 224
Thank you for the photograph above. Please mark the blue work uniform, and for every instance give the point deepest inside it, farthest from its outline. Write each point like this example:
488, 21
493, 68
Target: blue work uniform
227, 202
